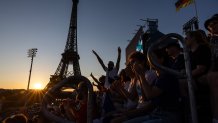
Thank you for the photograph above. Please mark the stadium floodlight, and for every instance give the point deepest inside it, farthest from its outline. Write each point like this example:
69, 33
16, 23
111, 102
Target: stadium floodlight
31, 53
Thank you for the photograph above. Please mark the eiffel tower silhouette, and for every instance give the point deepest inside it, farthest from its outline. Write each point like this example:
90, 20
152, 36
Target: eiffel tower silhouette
70, 55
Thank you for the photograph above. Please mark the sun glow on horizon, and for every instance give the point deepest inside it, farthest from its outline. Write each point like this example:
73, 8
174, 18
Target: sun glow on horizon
37, 85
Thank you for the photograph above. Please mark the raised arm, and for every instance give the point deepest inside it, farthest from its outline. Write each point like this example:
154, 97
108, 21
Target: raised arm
132, 95
118, 59
94, 84
128, 95
96, 80
148, 90
100, 61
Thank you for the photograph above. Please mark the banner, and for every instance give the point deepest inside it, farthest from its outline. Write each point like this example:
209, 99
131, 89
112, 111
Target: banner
183, 3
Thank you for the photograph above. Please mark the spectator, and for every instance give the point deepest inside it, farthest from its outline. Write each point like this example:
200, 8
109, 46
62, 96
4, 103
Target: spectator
143, 106
150, 76
111, 74
111, 71
200, 63
124, 79
100, 82
77, 110
200, 53
176, 60
127, 89
212, 26
163, 94
122, 83
130, 98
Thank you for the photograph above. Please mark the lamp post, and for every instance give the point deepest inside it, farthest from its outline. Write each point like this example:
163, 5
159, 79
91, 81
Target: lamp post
31, 53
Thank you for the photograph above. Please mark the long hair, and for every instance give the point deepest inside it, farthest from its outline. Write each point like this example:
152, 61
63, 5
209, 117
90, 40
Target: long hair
123, 76
140, 57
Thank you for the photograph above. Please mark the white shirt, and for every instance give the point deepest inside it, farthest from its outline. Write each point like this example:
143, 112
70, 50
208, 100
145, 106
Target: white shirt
112, 74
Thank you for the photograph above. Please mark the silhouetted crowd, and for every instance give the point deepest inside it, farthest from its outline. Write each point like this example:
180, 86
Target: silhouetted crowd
145, 93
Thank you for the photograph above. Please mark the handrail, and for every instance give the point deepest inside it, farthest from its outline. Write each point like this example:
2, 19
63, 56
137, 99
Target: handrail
68, 81
153, 60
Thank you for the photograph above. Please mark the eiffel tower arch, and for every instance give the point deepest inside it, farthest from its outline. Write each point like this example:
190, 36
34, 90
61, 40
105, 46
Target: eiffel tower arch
70, 55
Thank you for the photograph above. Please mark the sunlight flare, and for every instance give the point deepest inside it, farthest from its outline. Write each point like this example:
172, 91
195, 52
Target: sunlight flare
37, 86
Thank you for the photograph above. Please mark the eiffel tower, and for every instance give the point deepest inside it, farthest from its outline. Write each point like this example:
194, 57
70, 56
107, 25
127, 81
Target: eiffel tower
70, 55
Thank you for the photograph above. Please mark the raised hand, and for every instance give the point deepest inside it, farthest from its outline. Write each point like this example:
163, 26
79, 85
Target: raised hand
94, 84
119, 50
94, 52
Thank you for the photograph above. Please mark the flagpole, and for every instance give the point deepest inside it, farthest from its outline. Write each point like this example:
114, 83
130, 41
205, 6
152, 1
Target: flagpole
196, 10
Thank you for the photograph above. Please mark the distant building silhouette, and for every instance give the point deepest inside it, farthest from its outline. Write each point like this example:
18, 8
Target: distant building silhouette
142, 40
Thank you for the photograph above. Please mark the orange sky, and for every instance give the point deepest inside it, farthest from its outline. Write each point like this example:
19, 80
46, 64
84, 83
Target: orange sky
44, 24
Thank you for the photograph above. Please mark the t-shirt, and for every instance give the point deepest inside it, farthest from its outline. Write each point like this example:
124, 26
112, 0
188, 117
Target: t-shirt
110, 77
178, 63
169, 85
214, 51
201, 56
214, 46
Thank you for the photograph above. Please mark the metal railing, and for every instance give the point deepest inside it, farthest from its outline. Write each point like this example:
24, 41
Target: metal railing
152, 59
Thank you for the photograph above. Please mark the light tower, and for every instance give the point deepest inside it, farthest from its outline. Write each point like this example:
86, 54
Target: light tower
31, 53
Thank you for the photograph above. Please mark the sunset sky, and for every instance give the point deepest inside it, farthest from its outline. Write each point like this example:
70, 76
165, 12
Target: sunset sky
103, 25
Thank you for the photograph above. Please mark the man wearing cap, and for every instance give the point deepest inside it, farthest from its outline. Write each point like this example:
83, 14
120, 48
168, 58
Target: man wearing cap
176, 60
212, 26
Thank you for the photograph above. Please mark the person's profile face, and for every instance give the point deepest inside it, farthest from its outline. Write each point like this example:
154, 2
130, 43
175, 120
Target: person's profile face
169, 50
131, 62
188, 40
128, 69
213, 27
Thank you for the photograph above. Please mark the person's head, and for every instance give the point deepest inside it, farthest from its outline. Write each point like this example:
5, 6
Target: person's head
110, 65
162, 58
137, 58
102, 79
160, 54
123, 76
18, 118
173, 49
128, 71
82, 91
212, 24
195, 37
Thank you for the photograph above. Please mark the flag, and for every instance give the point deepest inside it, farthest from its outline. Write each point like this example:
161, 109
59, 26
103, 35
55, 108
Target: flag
182, 3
